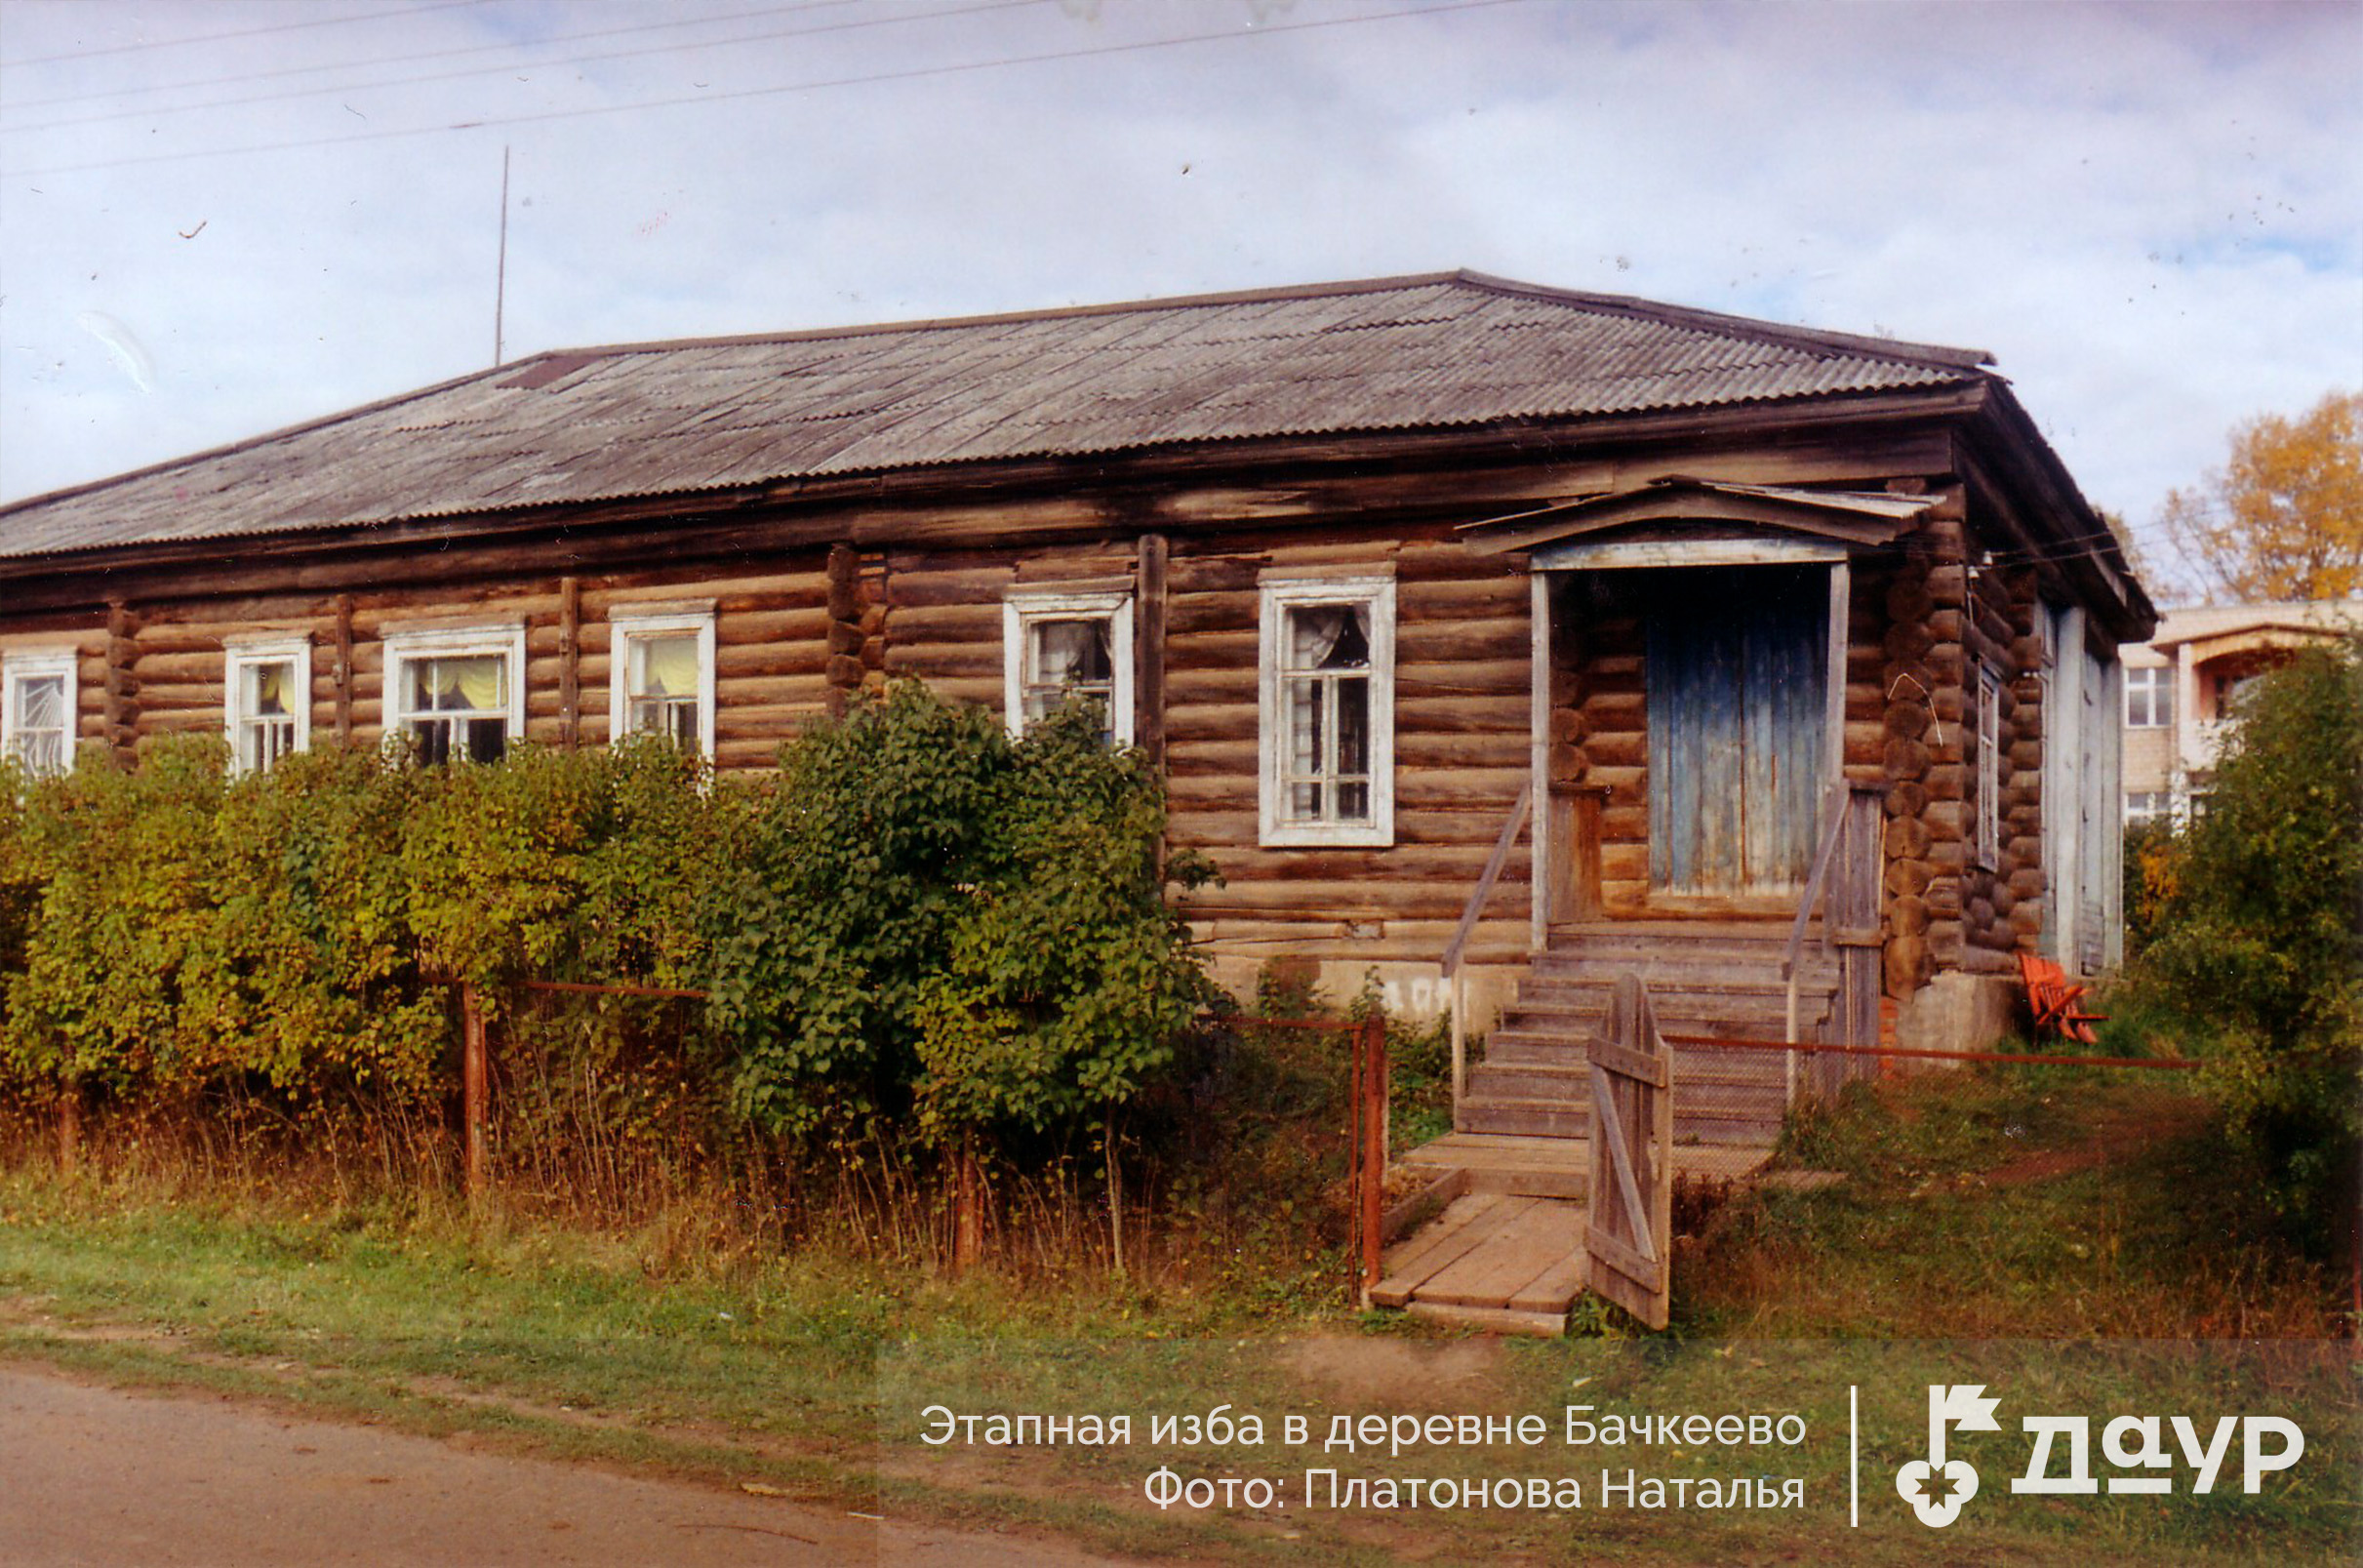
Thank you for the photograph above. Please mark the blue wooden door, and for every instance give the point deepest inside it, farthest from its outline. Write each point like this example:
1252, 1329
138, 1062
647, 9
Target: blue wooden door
1738, 685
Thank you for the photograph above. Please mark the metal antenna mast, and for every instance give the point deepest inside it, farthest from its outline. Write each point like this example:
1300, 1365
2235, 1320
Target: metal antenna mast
501, 276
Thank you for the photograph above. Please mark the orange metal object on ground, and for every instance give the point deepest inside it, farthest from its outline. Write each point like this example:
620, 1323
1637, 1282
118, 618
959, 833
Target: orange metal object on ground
2053, 1001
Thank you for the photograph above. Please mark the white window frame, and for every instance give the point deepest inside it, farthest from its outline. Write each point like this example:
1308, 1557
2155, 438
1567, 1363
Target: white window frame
1279, 596
237, 653
504, 640
625, 625
1988, 849
2156, 684
1021, 608
34, 664
2157, 805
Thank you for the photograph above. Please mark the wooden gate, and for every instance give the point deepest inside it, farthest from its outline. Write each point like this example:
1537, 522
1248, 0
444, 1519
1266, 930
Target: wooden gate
1629, 1231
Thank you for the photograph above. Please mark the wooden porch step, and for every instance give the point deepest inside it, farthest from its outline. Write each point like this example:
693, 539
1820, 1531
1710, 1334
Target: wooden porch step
1491, 1252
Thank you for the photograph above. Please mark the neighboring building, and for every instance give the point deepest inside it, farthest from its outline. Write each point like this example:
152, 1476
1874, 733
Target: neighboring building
1362, 567
2181, 687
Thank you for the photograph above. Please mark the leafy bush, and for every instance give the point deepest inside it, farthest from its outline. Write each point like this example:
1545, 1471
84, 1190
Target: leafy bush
125, 865
920, 918
2252, 912
933, 917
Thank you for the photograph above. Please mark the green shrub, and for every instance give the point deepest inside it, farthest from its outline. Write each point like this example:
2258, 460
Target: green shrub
2253, 936
125, 864
932, 917
304, 971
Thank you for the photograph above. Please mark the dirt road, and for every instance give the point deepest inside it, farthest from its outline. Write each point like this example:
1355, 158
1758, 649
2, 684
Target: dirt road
98, 1476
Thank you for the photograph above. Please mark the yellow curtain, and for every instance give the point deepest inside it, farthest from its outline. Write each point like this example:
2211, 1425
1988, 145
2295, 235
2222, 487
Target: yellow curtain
669, 666
270, 689
458, 685
479, 683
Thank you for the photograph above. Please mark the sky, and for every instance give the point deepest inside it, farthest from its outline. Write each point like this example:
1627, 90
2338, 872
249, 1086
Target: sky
221, 218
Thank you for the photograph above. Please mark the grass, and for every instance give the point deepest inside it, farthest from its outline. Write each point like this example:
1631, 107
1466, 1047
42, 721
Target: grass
2074, 1241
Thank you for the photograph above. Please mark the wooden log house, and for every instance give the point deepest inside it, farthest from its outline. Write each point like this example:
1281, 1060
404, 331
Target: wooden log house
1398, 580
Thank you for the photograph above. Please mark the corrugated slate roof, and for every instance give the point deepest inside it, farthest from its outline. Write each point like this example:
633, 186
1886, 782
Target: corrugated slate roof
1436, 351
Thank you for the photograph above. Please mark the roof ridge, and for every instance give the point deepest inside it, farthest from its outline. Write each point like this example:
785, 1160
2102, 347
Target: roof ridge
1682, 316
1723, 321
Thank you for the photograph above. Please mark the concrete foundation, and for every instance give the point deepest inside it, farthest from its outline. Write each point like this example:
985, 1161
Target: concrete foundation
1414, 992
1958, 1012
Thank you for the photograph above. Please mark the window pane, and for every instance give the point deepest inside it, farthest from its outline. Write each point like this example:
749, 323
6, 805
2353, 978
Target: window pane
266, 689
435, 741
1354, 728
1071, 653
41, 702
665, 666
1328, 636
1304, 749
487, 739
475, 684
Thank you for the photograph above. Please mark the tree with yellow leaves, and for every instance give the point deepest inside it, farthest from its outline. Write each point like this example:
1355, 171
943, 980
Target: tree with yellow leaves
2284, 519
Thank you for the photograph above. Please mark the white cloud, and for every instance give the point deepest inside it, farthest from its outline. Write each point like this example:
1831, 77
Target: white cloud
2154, 215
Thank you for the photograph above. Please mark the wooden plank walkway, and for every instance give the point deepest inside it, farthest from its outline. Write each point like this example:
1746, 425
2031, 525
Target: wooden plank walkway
1507, 1255
1492, 1260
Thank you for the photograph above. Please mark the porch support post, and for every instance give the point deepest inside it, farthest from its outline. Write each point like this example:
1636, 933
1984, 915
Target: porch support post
1834, 739
1540, 823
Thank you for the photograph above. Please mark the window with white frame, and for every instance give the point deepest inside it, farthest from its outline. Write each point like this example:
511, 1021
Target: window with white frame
2144, 806
38, 705
1060, 645
1327, 673
1989, 767
457, 692
661, 676
2149, 696
266, 700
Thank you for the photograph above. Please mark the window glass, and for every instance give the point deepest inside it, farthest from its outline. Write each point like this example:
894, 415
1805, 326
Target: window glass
266, 711
1325, 691
662, 687
39, 740
2149, 697
458, 707
1066, 657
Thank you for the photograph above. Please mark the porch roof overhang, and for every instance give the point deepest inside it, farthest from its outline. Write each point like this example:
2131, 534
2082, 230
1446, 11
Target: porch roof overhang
1812, 523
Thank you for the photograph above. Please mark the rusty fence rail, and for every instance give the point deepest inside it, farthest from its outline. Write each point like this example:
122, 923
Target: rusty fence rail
1366, 1131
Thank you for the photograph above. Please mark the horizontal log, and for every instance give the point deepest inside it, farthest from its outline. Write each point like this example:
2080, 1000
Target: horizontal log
1354, 897
1457, 642
1208, 818
742, 694
1490, 678
1460, 864
750, 662
743, 627
1465, 598
934, 662
605, 595
160, 696
942, 585
1496, 787
768, 722
167, 670
934, 624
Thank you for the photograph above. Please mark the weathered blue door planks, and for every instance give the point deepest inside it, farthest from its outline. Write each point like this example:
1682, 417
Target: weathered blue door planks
1737, 689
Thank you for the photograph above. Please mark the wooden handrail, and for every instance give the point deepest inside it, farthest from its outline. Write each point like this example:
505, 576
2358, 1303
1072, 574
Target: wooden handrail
1451, 962
1833, 817
1485, 884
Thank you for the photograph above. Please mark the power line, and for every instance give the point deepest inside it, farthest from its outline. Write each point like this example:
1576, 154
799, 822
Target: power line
916, 73
247, 32
236, 77
508, 69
